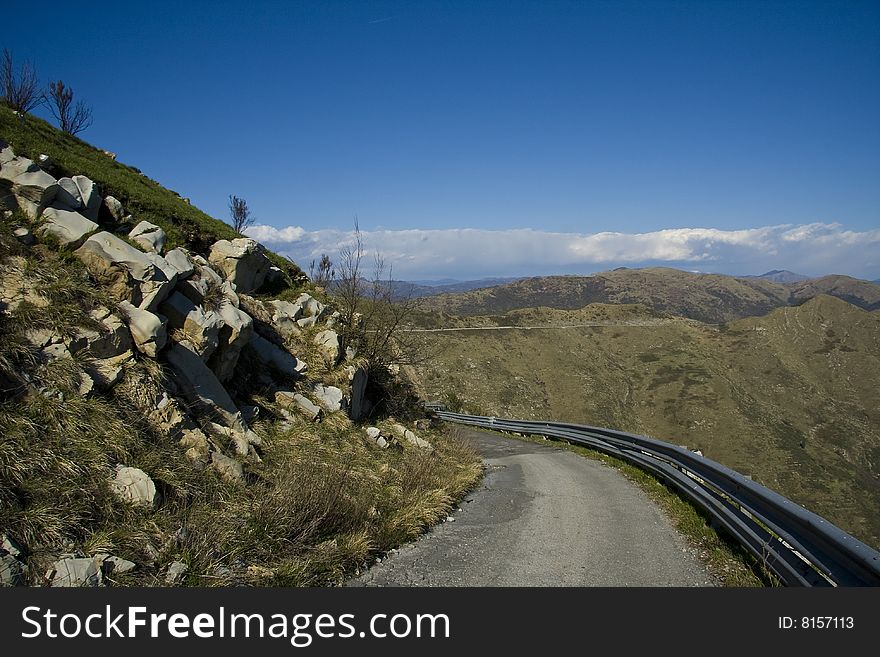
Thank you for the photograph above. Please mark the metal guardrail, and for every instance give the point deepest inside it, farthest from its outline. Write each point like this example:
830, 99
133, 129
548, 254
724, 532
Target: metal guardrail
798, 546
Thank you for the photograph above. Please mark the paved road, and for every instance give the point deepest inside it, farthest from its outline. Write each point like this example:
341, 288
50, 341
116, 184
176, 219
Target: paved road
544, 516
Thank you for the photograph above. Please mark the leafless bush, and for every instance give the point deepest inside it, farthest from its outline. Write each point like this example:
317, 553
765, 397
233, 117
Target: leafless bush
240, 214
324, 273
71, 118
21, 90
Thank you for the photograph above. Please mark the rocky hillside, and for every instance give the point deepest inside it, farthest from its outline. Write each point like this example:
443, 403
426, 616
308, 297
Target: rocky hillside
789, 398
164, 420
709, 298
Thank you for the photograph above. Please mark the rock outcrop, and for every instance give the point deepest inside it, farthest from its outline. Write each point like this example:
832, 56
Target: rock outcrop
242, 262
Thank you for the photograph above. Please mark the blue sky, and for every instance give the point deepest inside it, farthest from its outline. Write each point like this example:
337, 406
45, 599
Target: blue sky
498, 138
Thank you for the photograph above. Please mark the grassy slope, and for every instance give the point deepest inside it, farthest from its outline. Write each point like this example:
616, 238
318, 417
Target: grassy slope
144, 198
788, 398
710, 298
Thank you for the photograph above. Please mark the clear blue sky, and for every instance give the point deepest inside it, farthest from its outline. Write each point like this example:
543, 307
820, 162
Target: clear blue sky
572, 117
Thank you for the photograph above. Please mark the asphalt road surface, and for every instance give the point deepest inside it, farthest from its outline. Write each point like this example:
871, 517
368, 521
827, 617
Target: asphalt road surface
544, 516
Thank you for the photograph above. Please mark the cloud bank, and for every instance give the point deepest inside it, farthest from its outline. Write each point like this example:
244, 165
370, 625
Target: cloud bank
467, 253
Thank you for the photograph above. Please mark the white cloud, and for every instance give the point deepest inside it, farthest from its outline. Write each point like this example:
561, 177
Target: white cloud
812, 249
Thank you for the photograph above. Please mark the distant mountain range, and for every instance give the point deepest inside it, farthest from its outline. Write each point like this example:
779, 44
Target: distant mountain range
711, 298
781, 276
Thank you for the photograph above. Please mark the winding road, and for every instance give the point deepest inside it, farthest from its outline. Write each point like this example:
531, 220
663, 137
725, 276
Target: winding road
544, 516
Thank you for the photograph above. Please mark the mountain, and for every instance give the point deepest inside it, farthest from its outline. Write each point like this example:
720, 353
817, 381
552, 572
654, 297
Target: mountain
709, 298
781, 276
789, 398
860, 293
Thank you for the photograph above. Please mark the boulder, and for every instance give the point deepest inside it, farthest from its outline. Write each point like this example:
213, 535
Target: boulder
229, 469
147, 329
91, 197
180, 261
330, 397
235, 334
242, 262
70, 572
70, 228
275, 357
373, 433
199, 326
144, 279
135, 486
67, 196
200, 386
114, 208
329, 344
306, 322
381, 442
33, 189
149, 236
311, 307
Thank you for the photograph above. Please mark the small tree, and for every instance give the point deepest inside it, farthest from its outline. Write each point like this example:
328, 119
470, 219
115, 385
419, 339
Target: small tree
71, 118
20, 91
324, 273
240, 214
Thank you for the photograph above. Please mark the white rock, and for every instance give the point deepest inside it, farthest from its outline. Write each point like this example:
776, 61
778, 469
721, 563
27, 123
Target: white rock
68, 227
149, 236
330, 397
242, 262
329, 344
135, 486
67, 197
148, 329
199, 326
91, 199
373, 433
69, 572
145, 279
12, 571
176, 572
235, 334
114, 208
181, 262
200, 386
116, 566
33, 190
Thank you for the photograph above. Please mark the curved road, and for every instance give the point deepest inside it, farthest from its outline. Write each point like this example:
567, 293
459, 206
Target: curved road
544, 516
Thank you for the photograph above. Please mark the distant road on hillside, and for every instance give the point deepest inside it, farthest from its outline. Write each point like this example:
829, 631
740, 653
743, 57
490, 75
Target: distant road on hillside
545, 516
